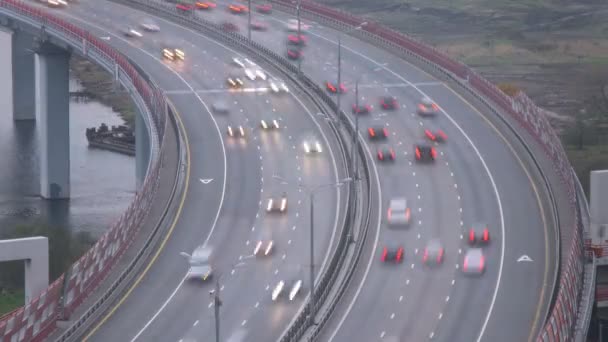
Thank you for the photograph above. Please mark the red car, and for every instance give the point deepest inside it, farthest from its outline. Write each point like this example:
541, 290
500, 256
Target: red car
294, 53
437, 135
237, 9
205, 5
377, 133
389, 102
332, 88
386, 154
425, 152
229, 27
479, 234
362, 109
394, 254
259, 26
184, 8
293, 39
264, 8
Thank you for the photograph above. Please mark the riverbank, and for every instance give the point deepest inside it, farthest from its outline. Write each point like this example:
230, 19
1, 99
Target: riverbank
100, 84
10, 300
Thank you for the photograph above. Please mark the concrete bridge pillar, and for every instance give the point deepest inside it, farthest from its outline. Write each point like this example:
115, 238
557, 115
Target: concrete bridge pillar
35, 252
53, 108
142, 150
22, 58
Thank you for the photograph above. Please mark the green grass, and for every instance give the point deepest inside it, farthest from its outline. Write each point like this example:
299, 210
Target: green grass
10, 301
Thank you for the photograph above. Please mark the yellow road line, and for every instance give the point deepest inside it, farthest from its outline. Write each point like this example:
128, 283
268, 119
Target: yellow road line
164, 242
532, 336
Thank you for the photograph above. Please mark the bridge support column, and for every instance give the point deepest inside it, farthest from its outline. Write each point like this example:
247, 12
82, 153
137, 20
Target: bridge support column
22, 59
142, 150
53, 109
35, 252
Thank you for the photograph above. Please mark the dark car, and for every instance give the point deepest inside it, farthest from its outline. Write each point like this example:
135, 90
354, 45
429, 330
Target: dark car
388, 102
386, 153
229, 27
377, 133
425, 153
479, 234
426, 107
392, 254
436, 135
293, 39
294, 54
264, 8
334, 88
362, 109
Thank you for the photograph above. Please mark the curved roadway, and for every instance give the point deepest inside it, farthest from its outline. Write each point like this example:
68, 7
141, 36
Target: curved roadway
226, 213
479, 176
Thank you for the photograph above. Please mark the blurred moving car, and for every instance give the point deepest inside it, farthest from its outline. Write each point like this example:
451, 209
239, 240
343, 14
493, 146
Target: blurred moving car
389, 102
398, 213
377, 133
131, 32
220, 107
278, 86
57, 3
200, 267
312, 147
172, 53
205, 5
276, 204
294, 53
259, 25
269, 125
362, 109
264, 8
392, 254
237, 9
292, 25
425, 153
234, 82
292, 286
236, 132
426, 107
433, 253
474, 262
229, 27
334, 89
149, 25
386, 153
184, 8
479, 234
436, 135
263, 247
294, 39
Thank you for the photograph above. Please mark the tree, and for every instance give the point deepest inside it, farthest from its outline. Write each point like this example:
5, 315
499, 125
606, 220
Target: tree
509, 89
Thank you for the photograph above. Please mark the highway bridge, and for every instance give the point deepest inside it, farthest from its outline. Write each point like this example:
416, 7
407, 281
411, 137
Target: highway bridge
501, 164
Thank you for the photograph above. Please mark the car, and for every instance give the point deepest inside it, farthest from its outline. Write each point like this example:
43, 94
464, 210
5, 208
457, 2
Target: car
57, 3
259, 26
398, 213
237, 9
254, 74
200, 265
334, 89
234, 82
269, 125
238, 62
292, 25
264, 8
362, 109
294, 39
474, 262
425, 153
149, 25
392, 254
277, 86
386, 153
205, 5
377, 133
433, 253
277, 204
436, 135
131, 32
229, 27
172, 53
184, 8
479, 234
312, 147
294, 53
263, 247
426, 107
236, 132
293, 286
389, 103
220, 107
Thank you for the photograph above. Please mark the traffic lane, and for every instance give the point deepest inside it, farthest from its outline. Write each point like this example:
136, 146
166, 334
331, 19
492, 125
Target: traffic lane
168, 269
526, 227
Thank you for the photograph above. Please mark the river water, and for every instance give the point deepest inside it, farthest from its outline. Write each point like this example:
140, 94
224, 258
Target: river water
102, 182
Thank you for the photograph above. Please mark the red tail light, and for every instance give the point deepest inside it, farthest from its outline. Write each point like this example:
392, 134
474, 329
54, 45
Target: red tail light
384, 252
380, 155
371, 132
486, 235
422, 107
435, 107
471, 236
429, 134
442, 135
399, 254
385, 132
482, 263
425, 256
440, 256
417, 153
408, 213
433, 152
465, 264
390, 213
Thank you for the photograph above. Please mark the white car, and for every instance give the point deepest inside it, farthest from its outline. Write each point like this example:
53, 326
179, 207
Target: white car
235, 82
149, 25
131, 32
278, 86
220, 107
292, 25
312, 147
293, 288
263, 247
250, 73
277, 204
238, 131
172, 54
238, 62
200, 267
57, 3
269, 125
398, 212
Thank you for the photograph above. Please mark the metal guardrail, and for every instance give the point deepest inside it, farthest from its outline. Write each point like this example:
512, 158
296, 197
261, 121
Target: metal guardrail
314, 92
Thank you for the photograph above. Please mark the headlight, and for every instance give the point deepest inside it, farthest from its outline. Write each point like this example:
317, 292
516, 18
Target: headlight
274, 87
277, 290
269, 207
260, 74
242, 131
306, 147
295, 289
180, 53
268, 248
318, 145
283, 204
257, 247
276, 124
230, 133
263, 124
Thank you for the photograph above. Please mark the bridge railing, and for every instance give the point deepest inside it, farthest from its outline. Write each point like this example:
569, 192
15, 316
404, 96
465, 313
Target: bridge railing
560, 323
37, 319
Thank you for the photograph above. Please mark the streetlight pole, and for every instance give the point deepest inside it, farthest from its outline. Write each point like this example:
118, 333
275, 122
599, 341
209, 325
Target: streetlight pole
339, 76
299, 35
356, 135
249, 19
217, 303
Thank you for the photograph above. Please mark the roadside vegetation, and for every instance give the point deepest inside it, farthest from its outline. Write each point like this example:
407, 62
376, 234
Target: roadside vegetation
554, 50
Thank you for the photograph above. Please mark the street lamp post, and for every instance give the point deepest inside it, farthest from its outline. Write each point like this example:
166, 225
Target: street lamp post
340, 63
249, 19
299, 35
311, 193
217, 302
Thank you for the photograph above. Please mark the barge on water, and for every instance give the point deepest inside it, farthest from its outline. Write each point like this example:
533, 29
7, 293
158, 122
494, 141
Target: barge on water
117, 138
